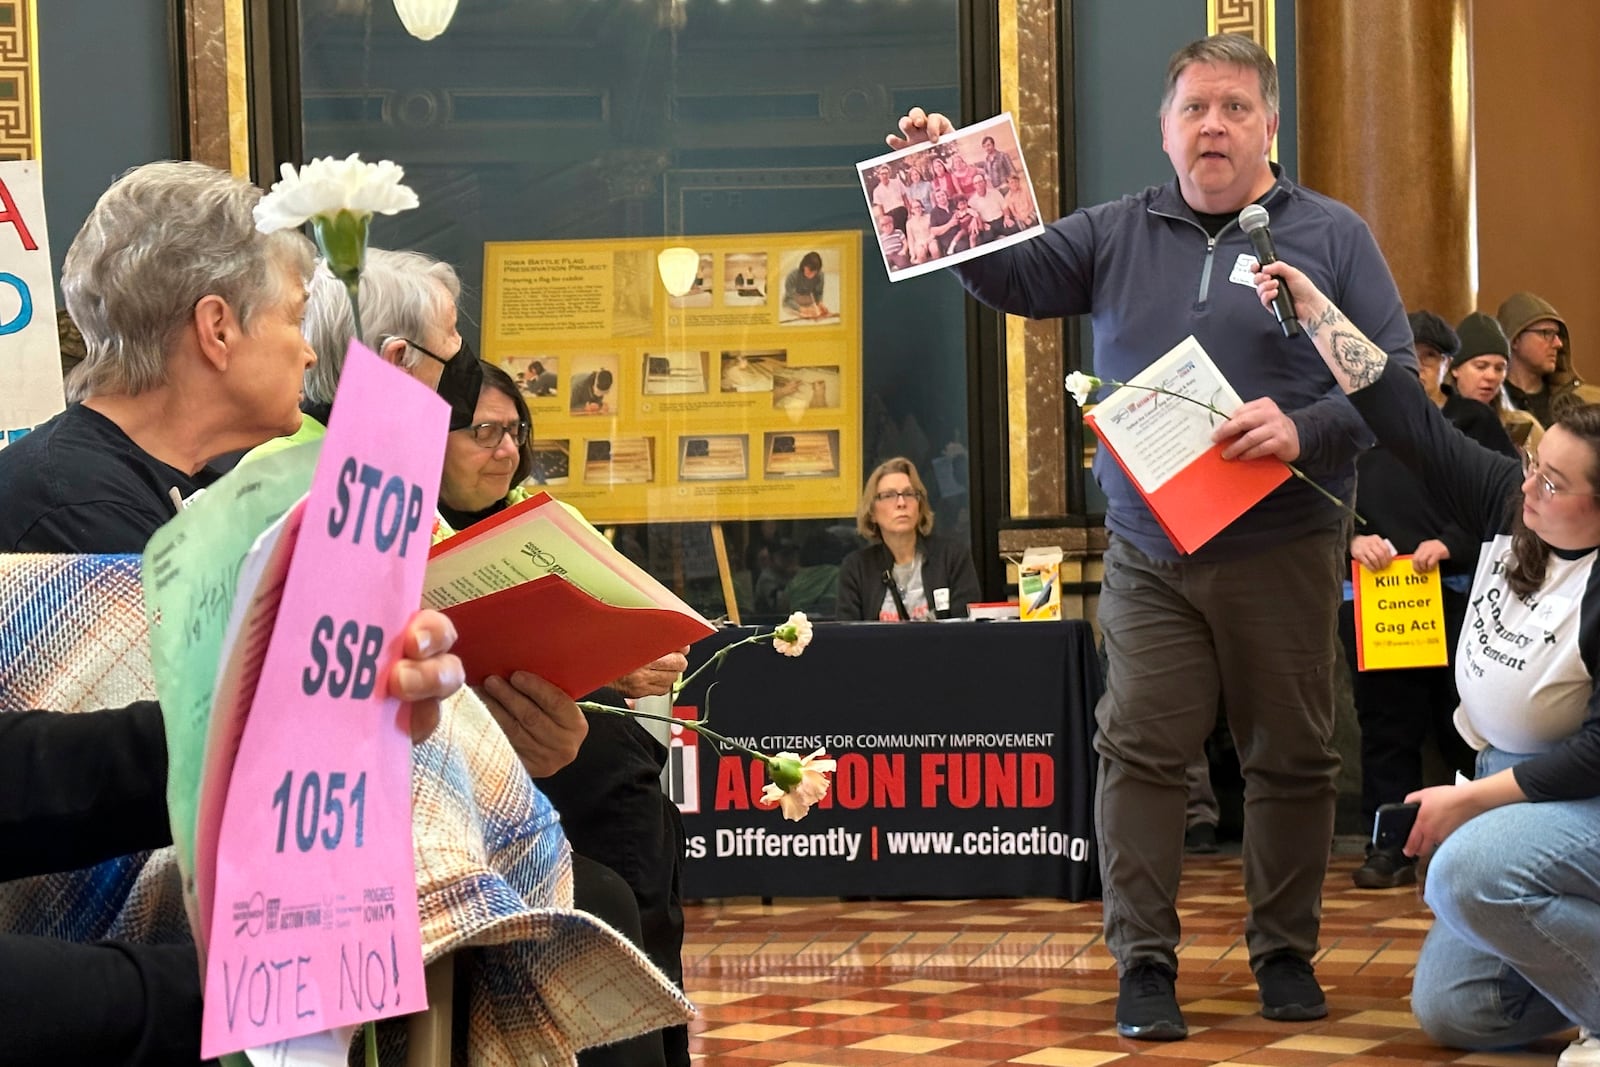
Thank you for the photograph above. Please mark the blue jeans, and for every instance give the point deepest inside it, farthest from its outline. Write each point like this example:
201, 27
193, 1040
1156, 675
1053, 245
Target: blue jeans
1514, 953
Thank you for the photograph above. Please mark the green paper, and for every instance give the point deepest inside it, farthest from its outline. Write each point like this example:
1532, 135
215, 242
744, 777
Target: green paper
191, 567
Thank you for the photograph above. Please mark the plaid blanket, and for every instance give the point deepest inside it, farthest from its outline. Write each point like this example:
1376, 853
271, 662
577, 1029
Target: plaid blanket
494, 870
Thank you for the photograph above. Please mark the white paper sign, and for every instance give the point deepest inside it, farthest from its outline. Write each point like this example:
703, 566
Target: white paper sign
1161, 421
30, 349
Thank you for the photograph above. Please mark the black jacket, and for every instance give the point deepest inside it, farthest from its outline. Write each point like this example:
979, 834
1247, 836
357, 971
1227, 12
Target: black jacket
945, 565
1398, 506
75, 789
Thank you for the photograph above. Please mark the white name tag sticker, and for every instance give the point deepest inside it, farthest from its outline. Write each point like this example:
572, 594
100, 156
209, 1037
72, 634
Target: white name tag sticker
941, 599
1243, 270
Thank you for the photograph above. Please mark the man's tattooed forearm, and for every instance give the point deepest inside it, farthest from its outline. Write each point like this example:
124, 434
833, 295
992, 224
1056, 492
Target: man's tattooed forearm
1357, 358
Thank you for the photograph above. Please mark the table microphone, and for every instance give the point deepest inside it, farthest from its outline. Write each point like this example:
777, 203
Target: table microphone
1253, 221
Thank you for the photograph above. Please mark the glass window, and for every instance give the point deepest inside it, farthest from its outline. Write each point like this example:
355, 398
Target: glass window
638, 124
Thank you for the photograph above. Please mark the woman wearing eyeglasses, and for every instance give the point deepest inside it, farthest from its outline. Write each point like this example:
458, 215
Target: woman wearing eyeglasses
1398, 710
905, 574
1515, 881
611, 804
483, 461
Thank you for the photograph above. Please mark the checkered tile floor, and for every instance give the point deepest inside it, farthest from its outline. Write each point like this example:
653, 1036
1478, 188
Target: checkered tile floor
968, 983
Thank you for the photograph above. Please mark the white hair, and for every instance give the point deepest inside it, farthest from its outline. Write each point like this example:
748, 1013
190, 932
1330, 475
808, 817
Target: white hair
403, 294
164, 236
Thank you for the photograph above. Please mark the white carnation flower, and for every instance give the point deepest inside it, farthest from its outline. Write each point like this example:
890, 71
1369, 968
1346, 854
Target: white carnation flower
793, 636
1080, 385
325, 187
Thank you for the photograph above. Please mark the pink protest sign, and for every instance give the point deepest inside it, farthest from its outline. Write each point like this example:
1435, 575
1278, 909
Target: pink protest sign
314, 916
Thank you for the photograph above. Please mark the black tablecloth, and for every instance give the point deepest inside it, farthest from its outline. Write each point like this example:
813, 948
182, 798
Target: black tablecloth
966, 767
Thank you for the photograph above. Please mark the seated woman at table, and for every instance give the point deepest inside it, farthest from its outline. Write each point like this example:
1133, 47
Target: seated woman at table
905, 574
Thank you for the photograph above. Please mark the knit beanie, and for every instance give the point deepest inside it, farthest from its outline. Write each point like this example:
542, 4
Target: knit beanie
1480, 335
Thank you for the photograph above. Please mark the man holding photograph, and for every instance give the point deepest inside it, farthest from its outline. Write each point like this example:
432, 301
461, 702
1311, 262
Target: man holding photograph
1252, 613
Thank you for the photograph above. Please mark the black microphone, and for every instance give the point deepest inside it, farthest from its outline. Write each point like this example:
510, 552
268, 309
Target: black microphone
1253, 221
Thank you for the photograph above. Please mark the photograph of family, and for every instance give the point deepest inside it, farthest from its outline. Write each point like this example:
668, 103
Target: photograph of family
934, 205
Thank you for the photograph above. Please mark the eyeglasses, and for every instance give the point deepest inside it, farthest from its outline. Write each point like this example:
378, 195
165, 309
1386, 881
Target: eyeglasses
890, 495
1546, 488
1549, 333
488, 434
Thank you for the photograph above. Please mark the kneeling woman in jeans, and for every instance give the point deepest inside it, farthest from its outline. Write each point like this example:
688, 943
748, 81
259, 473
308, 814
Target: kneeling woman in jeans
905, 573
1514, 953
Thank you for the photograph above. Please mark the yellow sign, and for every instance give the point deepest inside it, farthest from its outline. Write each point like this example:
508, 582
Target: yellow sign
738, 399
1399, 617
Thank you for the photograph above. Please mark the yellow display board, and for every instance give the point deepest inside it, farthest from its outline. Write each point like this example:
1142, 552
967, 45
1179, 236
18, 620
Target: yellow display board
1399, 617
740, 399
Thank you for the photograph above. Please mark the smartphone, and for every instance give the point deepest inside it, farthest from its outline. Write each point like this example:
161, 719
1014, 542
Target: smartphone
1392, 825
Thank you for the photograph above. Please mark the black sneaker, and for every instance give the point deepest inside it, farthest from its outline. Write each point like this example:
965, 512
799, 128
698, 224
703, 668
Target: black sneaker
1289, 989
1147, 1005
1385, 868
1200, 839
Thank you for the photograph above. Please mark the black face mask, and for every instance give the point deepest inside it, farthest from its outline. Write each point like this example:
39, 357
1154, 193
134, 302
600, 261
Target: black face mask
459, 383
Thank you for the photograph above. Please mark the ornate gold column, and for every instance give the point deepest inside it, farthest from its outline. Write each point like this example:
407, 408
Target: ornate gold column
215, 83
1035, 400
19, 80
1255, 19
1036, 405
1386, 127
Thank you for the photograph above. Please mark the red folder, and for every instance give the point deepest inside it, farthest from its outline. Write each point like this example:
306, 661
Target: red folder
1195, 504
549, 626
554, 629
